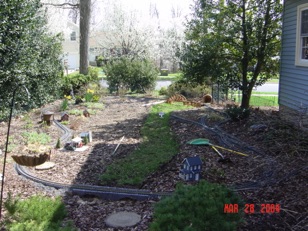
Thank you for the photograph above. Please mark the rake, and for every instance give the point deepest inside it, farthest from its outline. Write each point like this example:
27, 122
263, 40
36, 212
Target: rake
206, 142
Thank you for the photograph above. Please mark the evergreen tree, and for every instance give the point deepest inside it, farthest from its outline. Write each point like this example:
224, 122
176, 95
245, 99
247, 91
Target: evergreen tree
29, 56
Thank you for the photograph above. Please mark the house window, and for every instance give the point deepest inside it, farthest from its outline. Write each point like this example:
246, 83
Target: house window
302, 36
73, 36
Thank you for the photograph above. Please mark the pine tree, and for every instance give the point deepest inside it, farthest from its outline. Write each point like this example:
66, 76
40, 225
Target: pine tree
58, 145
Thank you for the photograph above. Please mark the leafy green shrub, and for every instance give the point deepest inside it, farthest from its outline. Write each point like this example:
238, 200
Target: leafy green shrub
77, 81
29, 56
95, 98
237, 113
74, 81
133, 74
163, 91
197, 208
99, 60
36, 214
187, 89
78, 100
93, 74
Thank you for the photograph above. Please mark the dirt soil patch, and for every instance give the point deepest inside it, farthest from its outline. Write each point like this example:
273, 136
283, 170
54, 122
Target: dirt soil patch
273, 174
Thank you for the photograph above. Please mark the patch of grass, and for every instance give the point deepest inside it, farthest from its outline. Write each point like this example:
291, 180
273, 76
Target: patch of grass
273, 81
12, 144
76, 112
36, 138
93, 105
261, 100
92, 112
28, 122
157, 148
171, 76
11, 147
264, 101
37, 213
264, 93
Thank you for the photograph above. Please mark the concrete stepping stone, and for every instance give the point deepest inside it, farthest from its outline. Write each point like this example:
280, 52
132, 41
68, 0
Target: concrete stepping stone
45, 166
122, 219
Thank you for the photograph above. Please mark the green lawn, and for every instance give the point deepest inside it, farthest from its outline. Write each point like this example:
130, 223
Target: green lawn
157, 148
261, 100
264, 101
273, 81
264, 93
171, 76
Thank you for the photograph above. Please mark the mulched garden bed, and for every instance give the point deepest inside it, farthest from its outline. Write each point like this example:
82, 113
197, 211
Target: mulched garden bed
273, 173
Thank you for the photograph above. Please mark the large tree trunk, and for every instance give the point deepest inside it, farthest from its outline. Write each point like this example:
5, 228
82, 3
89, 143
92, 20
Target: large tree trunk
246, 95
85, 14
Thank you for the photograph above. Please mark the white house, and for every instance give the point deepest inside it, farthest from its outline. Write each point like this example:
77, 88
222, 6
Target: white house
71, 46
191, 168
59, 22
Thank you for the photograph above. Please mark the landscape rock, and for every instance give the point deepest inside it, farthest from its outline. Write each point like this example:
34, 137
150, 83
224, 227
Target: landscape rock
123, 219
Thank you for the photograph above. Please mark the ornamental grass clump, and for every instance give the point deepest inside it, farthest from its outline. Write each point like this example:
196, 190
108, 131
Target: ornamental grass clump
36, 213
197, 208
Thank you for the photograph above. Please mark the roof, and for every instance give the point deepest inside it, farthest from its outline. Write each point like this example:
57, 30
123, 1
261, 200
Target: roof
196, 160
77, 139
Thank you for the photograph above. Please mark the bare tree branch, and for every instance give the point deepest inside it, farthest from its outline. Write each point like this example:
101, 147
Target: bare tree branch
71, 5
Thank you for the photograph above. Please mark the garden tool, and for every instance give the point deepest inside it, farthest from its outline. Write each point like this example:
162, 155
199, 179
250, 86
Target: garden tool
222, 159
206, 142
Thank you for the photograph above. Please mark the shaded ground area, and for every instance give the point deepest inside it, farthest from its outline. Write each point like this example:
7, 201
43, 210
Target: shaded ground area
274, 173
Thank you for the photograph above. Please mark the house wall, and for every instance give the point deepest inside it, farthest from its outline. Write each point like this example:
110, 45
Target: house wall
293, 84
71, 48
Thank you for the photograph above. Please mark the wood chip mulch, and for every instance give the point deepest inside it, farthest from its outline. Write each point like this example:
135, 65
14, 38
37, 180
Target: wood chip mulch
275, 174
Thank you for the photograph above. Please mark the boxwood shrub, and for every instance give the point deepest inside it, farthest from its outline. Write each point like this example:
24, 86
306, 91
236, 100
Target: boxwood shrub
197, 208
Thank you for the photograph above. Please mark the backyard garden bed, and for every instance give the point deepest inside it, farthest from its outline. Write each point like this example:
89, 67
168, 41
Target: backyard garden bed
275, 169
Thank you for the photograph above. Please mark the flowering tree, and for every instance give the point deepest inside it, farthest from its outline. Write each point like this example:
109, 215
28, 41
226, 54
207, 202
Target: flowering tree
123, 33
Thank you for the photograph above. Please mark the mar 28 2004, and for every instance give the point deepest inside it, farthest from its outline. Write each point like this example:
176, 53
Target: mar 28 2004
253, 208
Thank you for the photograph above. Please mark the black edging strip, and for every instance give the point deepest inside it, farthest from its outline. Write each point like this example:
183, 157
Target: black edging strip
115, 193
105, 192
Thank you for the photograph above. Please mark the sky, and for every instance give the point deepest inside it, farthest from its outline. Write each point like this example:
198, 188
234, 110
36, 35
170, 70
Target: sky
163, 7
